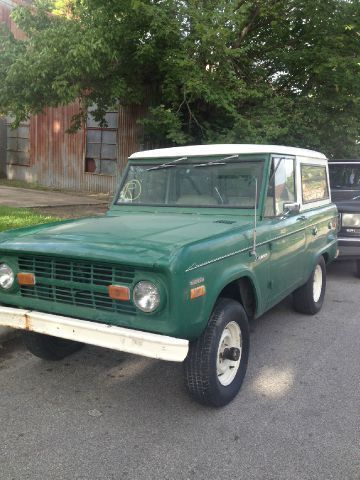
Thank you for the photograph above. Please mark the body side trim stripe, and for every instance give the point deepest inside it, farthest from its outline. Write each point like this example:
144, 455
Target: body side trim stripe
237, 252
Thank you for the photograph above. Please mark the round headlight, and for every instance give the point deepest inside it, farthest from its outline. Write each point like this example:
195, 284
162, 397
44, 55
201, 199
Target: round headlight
7, 276
146, 296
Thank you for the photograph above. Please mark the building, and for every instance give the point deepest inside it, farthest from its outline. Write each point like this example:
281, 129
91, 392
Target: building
41, 151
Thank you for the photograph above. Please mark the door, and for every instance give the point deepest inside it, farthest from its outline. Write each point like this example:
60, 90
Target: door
287, 230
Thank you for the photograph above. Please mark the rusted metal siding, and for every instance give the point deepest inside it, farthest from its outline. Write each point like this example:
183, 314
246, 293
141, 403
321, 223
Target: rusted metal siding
5, 10
2, 147
4, 14
57, 158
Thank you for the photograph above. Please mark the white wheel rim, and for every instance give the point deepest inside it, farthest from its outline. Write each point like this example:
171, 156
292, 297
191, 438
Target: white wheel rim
317, 283
226, 369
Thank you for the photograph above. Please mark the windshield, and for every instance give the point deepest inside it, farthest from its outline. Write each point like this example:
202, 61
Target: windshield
345, 176
212, 184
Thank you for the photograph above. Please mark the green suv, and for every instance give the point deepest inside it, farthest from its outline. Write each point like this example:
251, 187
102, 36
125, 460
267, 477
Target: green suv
197, 241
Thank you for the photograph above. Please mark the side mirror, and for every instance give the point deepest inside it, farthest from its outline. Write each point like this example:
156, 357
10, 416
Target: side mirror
291, 208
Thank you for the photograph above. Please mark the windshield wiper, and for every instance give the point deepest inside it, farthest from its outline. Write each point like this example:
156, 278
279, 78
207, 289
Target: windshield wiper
168, 164
219, 162
209, 164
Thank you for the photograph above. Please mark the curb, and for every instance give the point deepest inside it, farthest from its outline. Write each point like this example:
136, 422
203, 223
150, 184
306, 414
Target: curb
7, 333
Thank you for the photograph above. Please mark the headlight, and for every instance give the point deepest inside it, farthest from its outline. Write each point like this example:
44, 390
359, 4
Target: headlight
351, 220
146, 296
7, 276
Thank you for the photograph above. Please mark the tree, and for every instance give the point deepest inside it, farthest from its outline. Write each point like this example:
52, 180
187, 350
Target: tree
266, 71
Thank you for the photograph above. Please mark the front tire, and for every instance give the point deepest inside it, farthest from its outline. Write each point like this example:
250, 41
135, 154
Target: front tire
48, 347
310, 297
217, 361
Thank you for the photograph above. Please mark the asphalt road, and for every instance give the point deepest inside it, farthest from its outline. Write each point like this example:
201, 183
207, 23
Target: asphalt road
106, 415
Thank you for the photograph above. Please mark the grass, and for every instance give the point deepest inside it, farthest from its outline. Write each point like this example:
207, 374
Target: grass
20, 217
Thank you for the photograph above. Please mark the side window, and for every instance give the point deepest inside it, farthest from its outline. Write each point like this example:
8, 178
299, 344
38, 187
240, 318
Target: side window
101, 144
314, 183
281, 186
18, 144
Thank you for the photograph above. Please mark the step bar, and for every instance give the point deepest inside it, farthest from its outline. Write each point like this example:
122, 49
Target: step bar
102, 335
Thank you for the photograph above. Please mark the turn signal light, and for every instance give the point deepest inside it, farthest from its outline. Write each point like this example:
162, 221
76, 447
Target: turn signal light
119, 292
27, 279
197, 292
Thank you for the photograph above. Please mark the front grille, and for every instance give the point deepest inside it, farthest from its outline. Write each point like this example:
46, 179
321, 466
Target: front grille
78, 298
75, 271
89, 282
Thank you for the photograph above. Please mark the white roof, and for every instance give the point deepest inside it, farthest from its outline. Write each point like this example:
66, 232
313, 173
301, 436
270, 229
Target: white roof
226, 149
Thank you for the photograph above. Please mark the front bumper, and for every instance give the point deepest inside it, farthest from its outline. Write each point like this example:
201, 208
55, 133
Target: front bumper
349, 247
109, 336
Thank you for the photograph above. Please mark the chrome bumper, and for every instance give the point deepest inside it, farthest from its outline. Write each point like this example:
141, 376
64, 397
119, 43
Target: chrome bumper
109, 336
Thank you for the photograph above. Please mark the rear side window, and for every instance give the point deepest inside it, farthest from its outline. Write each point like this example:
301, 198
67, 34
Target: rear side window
314, 183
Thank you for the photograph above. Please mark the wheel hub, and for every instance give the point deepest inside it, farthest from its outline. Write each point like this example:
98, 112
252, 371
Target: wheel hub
229, 353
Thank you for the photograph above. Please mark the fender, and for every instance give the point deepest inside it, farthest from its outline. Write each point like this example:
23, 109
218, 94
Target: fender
329, 249
227, 276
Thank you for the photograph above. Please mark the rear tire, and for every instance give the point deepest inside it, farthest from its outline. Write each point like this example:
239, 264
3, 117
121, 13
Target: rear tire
310, 297
48, 347
216, 363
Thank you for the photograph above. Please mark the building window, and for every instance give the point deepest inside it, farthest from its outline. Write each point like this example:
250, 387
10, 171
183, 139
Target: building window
101, 144
314, 183
18, 143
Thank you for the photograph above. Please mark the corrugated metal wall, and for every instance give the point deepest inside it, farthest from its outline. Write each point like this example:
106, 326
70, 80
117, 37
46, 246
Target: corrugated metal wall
5, 9
57, 159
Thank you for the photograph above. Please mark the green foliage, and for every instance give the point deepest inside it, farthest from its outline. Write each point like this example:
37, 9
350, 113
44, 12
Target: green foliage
265, 71
20, 217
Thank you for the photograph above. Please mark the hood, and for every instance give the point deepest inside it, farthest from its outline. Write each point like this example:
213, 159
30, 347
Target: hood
136, 238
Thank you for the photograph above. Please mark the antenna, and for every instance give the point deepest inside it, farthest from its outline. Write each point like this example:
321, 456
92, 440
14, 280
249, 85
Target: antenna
253, 251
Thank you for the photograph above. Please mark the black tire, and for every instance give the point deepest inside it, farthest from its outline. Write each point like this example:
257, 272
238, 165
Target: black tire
201, 364
48, 347
357, 268
303, 297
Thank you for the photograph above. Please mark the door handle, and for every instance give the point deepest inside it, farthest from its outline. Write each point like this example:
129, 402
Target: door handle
302, 218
